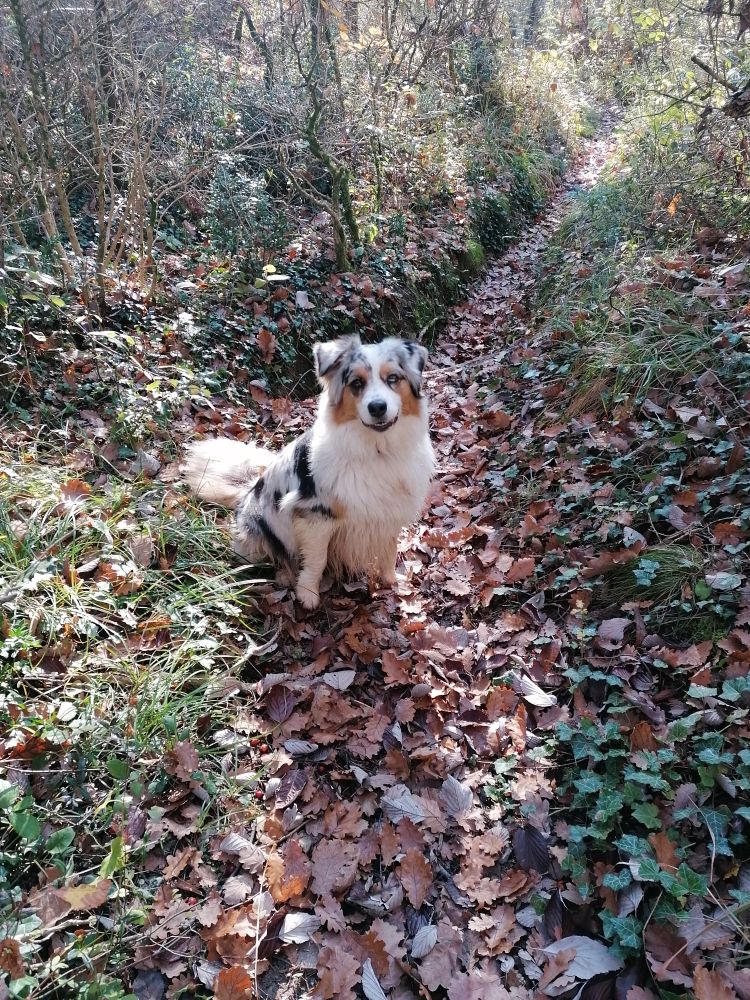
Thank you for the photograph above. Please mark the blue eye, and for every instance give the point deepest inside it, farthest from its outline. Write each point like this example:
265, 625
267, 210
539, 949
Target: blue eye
393, 379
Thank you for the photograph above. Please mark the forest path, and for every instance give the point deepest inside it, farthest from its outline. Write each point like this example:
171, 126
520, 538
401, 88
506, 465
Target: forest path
388, 819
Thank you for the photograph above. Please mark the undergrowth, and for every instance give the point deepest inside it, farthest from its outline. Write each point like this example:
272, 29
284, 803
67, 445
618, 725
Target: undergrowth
633, 284
124, 639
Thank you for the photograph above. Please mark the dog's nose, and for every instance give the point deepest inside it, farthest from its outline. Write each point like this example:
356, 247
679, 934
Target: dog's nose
377, 408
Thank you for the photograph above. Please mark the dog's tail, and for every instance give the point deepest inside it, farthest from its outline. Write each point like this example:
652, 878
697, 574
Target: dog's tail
222, 470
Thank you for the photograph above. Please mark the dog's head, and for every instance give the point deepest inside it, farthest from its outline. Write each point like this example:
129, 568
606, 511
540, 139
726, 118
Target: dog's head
373, 383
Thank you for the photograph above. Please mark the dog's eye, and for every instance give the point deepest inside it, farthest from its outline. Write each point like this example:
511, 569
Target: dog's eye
393, 379
357, 385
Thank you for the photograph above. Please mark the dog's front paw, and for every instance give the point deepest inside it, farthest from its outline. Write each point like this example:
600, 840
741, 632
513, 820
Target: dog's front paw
308, 598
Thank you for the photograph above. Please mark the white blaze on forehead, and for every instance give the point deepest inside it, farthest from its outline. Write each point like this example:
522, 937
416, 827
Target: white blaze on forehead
378, 355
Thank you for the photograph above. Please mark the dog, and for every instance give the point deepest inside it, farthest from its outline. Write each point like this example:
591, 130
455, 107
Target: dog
339, 495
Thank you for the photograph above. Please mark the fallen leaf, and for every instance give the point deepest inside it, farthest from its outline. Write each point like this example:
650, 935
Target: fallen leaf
298, 928
370, 985
415, 876
233, 984
87, 895
10, 958
591, 958
456, 798
530, 847
711, 985
424, 941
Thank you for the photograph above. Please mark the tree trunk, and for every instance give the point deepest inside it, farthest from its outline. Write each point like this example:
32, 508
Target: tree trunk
536, 9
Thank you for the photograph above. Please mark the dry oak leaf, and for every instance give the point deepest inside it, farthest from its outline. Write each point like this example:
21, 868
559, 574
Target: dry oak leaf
334, 865
666, 955
557, 967
339, 974
183, 759
503, 932
415, 875
10, 958
123, 577
483, 891
740, 980
366, 946
233, 984
210, 911
392, 938
288, 876
706, 933
344, 819
642, 737
521, 569
329, 910
709, 985
87, 896
177, 863
396, 670
500, 702
75, 489
390, 844
480, 985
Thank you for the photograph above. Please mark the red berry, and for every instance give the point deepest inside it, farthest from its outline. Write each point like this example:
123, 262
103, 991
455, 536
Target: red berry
259, 794
191, 900
264, 748
254, 741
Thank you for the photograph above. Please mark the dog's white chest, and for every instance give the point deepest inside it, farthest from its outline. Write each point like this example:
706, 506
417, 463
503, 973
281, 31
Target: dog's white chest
378, 482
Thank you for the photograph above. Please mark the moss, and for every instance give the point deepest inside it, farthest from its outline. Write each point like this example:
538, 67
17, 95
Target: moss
492, 221
472, 260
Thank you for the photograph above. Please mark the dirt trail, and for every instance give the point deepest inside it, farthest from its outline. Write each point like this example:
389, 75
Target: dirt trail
501, 297
386, 722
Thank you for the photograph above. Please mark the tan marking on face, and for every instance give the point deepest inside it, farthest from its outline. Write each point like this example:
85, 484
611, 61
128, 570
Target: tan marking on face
409, 402
347, 408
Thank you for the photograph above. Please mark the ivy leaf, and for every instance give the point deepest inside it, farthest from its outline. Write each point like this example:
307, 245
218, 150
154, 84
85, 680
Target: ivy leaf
649, 870
648, 814
695, 884
26, 825
617, 880
624, 931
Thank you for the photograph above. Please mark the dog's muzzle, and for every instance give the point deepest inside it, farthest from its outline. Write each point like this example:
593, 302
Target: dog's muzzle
386, 425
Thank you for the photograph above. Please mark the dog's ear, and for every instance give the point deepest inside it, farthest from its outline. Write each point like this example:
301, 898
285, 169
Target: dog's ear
413, 358
329, 362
